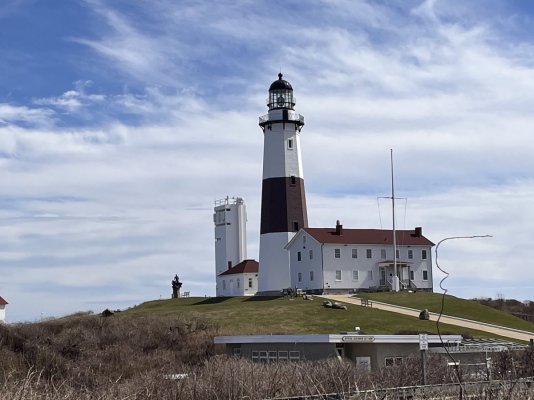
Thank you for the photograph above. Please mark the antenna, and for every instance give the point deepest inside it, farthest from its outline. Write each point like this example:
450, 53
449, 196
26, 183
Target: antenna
395, 277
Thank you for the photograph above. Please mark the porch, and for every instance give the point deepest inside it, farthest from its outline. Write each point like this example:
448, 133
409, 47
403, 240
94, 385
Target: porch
386, 270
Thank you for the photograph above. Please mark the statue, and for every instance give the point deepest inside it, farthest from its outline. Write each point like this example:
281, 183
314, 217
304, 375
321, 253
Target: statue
176, 285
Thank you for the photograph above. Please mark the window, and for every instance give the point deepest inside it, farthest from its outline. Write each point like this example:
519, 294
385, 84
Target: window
382, 253
412, 275
338, 275
294, 355
282, 355
263, 356
391, 361
423, 254
299, 276
397, 253
290, 143
224, 284
425, 275
237, 351
311, 275
311, 254
369, 253
238, 283
292, 180
272, 355
370, 275
337, 253
410, 254
354, 275
249, 282
354, 253
295, 226
299, 256
255, 355
229, 264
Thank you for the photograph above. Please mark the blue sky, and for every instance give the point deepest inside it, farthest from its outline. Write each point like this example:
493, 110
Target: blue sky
121, 122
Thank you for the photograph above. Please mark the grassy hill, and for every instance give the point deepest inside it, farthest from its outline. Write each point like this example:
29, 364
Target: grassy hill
469, 309
268, 315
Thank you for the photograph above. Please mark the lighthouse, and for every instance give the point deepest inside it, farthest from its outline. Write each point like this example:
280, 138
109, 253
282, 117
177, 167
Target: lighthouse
283, 201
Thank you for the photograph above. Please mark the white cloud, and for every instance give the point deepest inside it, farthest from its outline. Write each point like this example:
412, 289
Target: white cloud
72, 100
11, 114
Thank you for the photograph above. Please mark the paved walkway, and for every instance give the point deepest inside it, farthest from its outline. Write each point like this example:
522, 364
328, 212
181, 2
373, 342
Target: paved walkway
495, 329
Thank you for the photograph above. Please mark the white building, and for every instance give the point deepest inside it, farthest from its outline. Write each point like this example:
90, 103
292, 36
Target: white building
230, 219
328, 260
240, 280
283, 200
3, 304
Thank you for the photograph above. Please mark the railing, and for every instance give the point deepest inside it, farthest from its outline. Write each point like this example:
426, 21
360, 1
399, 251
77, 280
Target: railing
292, 116
389, 283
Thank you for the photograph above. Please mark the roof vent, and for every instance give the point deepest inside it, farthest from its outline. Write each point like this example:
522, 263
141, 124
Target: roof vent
418, 232
339, 228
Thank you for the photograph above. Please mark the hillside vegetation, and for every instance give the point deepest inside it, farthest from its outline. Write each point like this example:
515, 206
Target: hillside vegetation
269, 315
164, 350
469, 309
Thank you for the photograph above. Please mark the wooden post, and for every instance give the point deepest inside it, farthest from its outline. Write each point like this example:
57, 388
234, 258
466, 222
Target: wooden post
423, 367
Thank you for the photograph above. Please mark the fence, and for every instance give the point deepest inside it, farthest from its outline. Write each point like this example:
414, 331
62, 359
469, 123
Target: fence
444, 391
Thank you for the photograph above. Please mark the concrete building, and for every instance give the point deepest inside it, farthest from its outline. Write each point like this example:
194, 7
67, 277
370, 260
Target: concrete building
230, 219
330, 260
367, 351
240, 280
3, 304
283, 201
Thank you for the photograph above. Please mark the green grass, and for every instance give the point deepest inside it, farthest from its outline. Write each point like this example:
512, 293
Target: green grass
469, 309
268, 315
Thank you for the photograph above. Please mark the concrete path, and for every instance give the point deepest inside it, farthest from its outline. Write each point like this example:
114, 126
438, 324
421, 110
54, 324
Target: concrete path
446, 319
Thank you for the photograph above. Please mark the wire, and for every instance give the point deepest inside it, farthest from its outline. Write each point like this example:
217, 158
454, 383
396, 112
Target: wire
456, 367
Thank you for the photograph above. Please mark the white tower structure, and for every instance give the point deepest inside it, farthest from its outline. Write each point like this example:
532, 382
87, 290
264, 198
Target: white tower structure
283, 202
230, 218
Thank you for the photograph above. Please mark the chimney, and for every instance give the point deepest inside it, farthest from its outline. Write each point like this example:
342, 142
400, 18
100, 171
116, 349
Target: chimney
339, 228
418, 231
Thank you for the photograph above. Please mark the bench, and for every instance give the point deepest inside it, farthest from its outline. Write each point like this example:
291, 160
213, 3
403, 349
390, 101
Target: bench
185, 294
366, 303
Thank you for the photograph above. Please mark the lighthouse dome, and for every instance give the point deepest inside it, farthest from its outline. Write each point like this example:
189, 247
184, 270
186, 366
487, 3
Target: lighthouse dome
280, 83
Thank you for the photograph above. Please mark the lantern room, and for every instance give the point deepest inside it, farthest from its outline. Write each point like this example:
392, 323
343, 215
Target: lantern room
280, 94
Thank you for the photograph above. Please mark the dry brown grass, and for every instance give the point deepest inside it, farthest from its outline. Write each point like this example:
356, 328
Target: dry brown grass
85, 357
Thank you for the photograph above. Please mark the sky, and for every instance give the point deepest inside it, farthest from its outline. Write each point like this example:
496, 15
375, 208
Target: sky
122, 122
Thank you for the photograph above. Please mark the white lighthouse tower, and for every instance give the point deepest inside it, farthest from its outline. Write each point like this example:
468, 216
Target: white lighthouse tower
230, 219
283, 201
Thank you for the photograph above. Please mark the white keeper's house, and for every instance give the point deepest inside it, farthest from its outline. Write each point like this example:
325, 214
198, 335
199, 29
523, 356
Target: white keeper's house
330, 260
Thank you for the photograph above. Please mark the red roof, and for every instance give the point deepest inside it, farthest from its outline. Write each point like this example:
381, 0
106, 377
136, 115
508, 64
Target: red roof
250, 266
2, 301
368, 236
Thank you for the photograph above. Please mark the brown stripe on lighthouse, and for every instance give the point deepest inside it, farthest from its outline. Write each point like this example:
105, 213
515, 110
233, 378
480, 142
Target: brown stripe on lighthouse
283, 205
